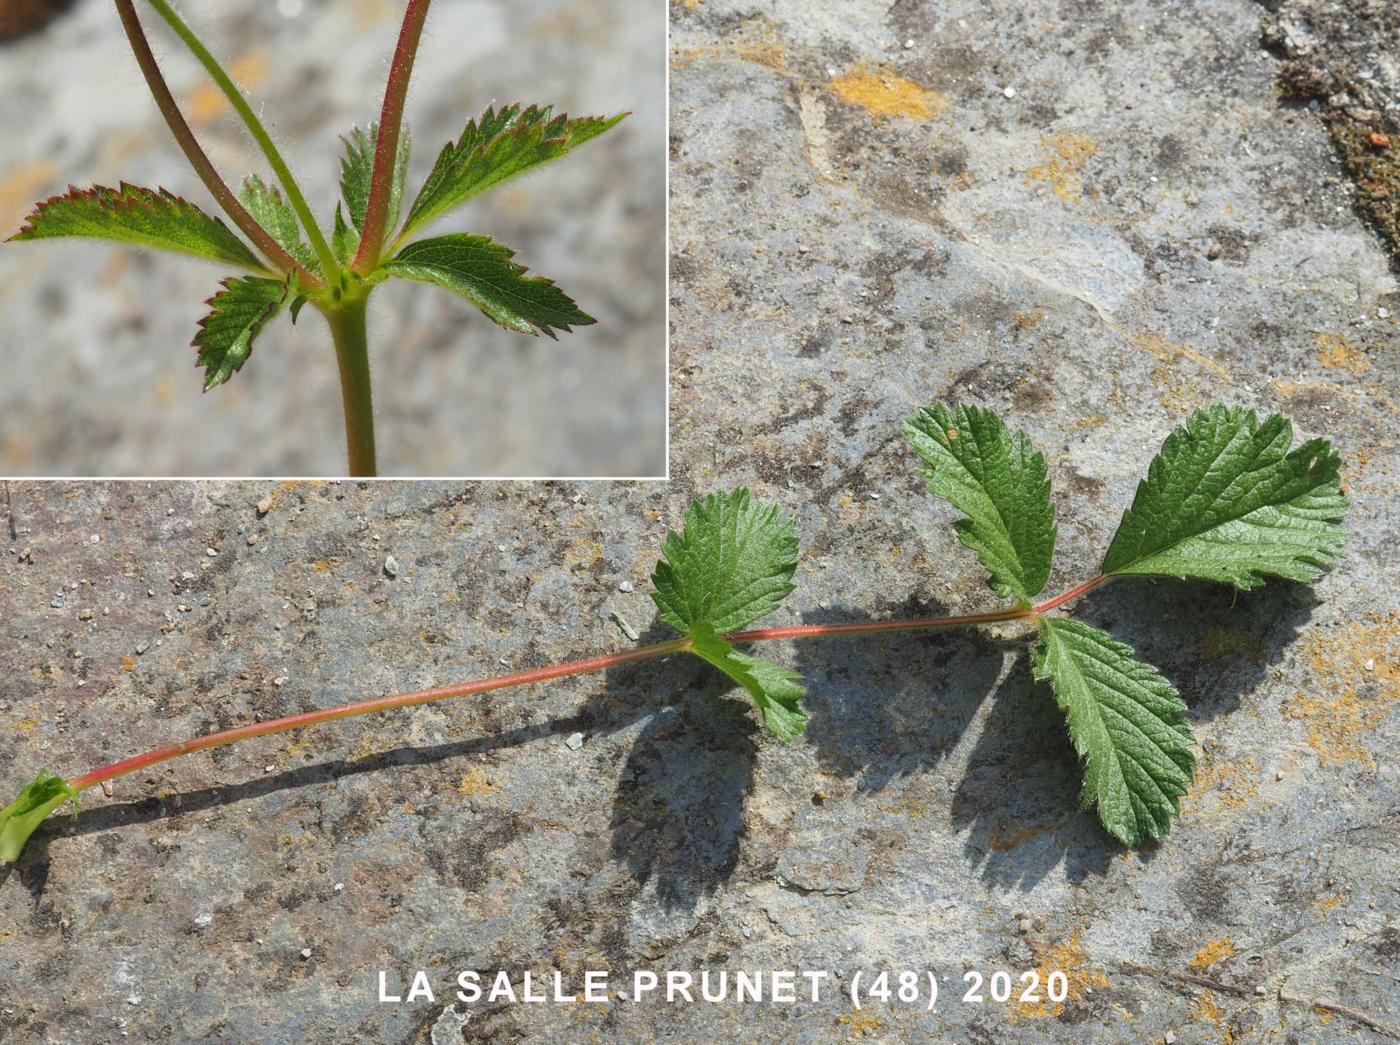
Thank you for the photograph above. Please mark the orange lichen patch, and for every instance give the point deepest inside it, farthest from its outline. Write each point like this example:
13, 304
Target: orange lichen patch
1328, 903
326, 565
20, 188
475, 782
582, 552
1356, 669
1231, 785
1170, 352
881, 92
1337, 350
1220, 643
1214, 951
1026, 320
1005, 839
1067, 957
207, 102
861, 1023
1066, 155
128, 665
1204, 1008
1081, 424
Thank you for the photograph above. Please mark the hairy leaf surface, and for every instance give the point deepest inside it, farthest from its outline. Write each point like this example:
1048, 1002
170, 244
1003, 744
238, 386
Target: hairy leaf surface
731, 563
481, 270
357, 173
776, 690
240, 311
1227, 500
143, 217
996, 479
1127, 723
270, 210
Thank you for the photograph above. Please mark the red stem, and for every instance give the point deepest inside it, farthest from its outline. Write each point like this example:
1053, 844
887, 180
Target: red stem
387, 142
195, 153
576, 667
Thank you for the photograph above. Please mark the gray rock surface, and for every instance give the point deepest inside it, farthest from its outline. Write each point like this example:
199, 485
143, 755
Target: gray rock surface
859, 227
100, 376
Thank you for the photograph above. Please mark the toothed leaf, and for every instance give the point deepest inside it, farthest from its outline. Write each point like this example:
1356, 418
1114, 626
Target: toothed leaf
776, 690
143, 217
995, 478
731, 563
1127, 723
357, 172
496, 147
37, 799
481, 271
240, 311
271, 210
1227, 500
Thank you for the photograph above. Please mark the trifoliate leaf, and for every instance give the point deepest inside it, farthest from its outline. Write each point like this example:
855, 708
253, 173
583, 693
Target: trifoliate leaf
775, 689
240, 311
270, 210
731, 563
18, 820
995, 478
1127, 723
1226, 500
496, 147
480, 270
357, 172
144, 217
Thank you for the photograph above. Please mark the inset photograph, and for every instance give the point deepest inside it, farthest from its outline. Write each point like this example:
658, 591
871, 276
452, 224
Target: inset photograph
310, 239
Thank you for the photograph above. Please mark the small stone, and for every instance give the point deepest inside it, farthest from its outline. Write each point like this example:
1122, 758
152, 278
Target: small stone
107, 788
1379, 140
908, 45
1261, 990
391, 566
1278, 774
340, 887
269, 768
1215, 251
574, 741
203, 921
204, 600
1170, 1038
1010, 92
94, 538
265, 505
1023, 926
1370, 664
252, 539
305, 953
1381, 313
186, 575
56, 602
85, 614
625, 587
211, 552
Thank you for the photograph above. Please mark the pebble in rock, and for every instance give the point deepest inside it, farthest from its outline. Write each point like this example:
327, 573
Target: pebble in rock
574, 742
305, 953
391, 566
625, 587
85, 614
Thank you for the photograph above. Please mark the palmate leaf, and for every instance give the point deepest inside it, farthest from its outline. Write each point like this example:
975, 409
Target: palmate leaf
240, 311
1127, 723
1227, 500
499, 145
731, 563
776, 690
22, 817
995, 478
481, 270
271, 210
142, 217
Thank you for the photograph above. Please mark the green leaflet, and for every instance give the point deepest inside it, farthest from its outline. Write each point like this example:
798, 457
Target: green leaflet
776, 690
143, 217
1127, 723
731, 563
481, 271
996, 479
496, 147
240, 311
270, 210
18, 820
357, 172
1227, 500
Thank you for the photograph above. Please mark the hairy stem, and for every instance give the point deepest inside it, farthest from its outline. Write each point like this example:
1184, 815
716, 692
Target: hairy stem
576, 667
255, 128
387, 143
347, 323
194, 152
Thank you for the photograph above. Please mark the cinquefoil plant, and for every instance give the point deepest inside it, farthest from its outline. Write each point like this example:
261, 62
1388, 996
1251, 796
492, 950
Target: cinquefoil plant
1227, 499
368, 243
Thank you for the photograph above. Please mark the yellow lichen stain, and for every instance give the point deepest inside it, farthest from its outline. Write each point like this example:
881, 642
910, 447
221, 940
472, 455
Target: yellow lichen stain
1170, 351
207, 102
1027, 320
881, 92
19, 187
1337, 350
1328, 903
1230, 784
1214, 951
1082, 424
582, 553
1204, 1008
1067, 957
1007, 838
326, 565
1220, 643
28, 725
1357, 671
861, 1023
475, 782
128, 665
1066, 155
